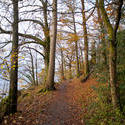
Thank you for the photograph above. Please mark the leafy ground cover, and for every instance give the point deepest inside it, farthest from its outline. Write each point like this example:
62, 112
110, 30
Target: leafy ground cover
73, 103
60, 107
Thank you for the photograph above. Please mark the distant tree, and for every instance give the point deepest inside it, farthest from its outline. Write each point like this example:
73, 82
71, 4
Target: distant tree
70, 21
61, 60
93, 53
29, 72
74, 38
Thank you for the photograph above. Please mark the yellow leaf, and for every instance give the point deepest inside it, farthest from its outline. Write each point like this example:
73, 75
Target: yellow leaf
1, 66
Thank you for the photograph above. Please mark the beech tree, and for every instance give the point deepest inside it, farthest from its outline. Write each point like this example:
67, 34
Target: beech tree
86, 66
50, 78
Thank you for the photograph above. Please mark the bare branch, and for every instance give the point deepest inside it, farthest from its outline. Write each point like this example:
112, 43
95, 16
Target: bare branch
35, 50
24, 35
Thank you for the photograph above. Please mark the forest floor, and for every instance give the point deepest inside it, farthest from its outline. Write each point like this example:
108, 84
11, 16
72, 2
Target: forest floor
61, 107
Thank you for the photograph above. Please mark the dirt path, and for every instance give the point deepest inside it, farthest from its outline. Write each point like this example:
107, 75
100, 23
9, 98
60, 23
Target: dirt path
60, 107
62, 110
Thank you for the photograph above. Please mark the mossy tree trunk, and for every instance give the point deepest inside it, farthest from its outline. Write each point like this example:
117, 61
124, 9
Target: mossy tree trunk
12, 99
102, 36
112, 31
46, 31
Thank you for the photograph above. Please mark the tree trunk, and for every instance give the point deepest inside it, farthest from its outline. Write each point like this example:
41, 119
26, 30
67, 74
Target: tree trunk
47, 47
46, 59
81, 59
46, 50
113, 74
37, 82
112, 51
12, 99
46, 31
86, 70
51, 72
102, 34
76, 47
70, 70
32, 68
93, 53
62, 66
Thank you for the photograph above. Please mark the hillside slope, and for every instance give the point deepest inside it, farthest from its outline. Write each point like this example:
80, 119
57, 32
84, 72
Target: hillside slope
61, 107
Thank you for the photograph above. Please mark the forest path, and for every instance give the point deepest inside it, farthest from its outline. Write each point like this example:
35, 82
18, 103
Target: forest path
61, 107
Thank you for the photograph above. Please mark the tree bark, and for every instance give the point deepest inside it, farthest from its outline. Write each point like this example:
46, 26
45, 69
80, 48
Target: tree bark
12, 99
112, 51
102, 34
86, 70
93, 53
76, 48
46, 31
37, 82
32, 68
70, 70
62, 66
51, 72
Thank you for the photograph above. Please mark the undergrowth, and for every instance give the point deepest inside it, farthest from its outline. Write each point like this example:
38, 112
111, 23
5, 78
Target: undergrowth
100, 110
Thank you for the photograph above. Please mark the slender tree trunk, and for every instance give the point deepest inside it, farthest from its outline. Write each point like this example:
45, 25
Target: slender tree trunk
85, 39
64, 62
36, 71
51, 72
62, 66
81, 59
32, 68
70, 70
12, 99
93, 53
76, 48
77, 59
112, 51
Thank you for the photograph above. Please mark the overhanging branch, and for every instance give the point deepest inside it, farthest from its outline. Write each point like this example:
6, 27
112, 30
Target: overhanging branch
24, 35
